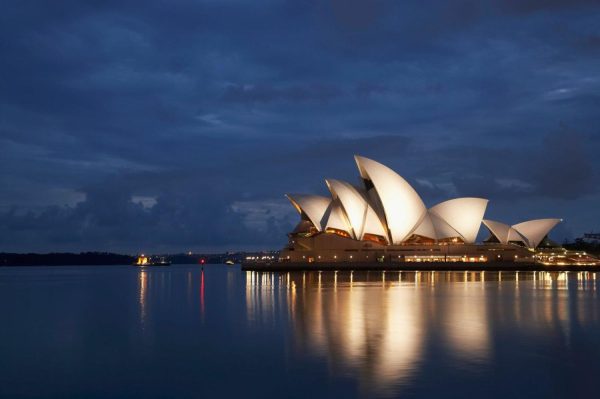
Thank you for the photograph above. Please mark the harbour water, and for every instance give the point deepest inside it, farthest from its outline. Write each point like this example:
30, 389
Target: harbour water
187, 332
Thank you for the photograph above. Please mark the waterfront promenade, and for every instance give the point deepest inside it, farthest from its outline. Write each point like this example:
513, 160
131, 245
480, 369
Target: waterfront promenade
415, 266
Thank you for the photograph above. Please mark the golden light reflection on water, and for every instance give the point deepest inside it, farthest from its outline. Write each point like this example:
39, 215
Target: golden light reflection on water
143, 289
378, 326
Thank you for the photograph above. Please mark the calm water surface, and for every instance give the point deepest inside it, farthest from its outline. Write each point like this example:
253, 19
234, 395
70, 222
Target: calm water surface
118, 331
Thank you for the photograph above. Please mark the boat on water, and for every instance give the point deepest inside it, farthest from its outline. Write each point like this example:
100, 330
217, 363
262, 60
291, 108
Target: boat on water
144, 260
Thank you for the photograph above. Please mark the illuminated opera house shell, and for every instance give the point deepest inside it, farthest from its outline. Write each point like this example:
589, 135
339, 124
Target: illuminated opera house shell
388, 210
530, 233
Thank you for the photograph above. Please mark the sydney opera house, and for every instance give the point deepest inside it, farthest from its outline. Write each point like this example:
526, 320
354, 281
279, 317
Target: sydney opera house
385, 220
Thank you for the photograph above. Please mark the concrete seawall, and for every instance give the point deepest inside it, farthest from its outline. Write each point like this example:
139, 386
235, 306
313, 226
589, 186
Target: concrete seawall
414, 266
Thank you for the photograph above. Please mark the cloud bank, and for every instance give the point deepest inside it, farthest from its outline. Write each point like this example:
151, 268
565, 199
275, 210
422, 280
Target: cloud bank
180, 125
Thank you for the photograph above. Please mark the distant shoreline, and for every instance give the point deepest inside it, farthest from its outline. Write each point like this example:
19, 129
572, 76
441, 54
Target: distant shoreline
8, 259
65, 259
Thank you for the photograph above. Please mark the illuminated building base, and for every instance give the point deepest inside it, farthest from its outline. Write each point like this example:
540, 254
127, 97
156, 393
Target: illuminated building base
332, 251
327, 248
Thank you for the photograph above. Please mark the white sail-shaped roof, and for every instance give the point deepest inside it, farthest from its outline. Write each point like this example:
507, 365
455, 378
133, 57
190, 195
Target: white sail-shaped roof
442, 228
313, 206
534, 231
361, 216
434, 227
389, 207
337, 219
501, 231
373, 225
352, 202
531, 232
513, 235
402, 206
426, 228
463, 214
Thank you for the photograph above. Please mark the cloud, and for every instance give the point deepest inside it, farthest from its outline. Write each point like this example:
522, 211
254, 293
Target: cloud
205, 116
236, 200
564, 169
266, 93
559, 166
530, 6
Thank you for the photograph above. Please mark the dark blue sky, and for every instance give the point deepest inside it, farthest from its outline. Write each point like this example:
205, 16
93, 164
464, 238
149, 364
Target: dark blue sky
167, 126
